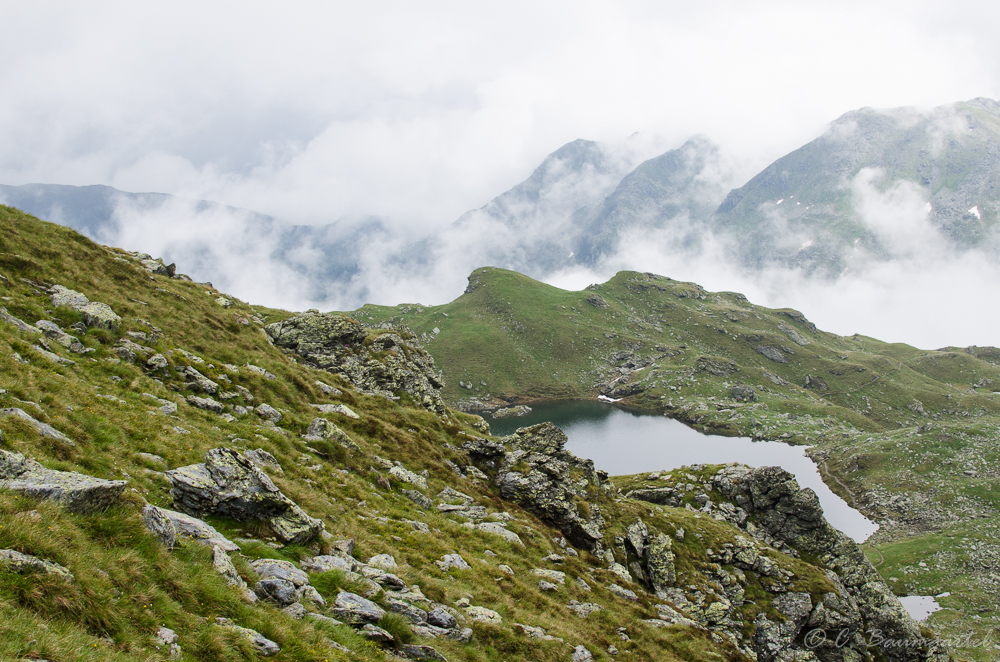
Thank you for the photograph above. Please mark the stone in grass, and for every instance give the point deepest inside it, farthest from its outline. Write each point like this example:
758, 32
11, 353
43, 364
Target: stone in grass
75, 492
376, 634
326, 563
269, 413
421, 653
224, 566
584, 609
356, 610
414, 615
230, 485
43, 429
407, 476
94, 313
275, 569
581, 654
623, 592
14, 561
440, 617
265, 647
277, 590
550, 575
173, 527
208, 404
417, 498
547, 586
322, 429
327, 389
383, 561
449, 561
484, 615
336, 409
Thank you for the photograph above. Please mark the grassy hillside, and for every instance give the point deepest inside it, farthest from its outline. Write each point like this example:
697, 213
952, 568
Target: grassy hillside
908, 436
130, 418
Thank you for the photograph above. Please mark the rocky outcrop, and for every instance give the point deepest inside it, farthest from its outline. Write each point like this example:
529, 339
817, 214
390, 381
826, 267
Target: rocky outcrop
383, 365
231, 485
540, 475
75, 492
863, 602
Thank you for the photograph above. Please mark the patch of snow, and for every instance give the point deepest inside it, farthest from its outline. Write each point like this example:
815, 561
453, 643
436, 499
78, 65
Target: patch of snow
928, 208
604, 398
779, 201
975, 212
806, 245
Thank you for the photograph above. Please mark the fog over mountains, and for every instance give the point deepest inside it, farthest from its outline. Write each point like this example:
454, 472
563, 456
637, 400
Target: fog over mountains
882, 198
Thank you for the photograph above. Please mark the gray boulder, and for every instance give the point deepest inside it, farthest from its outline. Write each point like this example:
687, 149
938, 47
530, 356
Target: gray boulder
440, 617
197, 381
660, 563
75, 492
421, 653
264, 646
269, 413
173, 527
208, 404
285, 570
356, 610
19, 324
224, 566
322, 429
230, 485
14, 561
43, 429
277, 590
94, 313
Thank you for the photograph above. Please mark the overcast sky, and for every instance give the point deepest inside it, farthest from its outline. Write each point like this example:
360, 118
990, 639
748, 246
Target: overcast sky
417, 112
420, 111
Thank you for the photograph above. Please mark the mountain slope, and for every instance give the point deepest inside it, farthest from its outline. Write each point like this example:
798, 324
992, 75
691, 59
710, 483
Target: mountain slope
907, 436
874, 181
334, 510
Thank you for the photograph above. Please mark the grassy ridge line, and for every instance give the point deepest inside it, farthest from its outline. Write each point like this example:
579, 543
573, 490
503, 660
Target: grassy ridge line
527, 340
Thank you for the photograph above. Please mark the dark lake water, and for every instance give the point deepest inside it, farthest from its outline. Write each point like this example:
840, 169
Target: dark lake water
626, 442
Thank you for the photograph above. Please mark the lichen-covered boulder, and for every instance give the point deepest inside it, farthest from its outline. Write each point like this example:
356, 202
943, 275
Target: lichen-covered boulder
14, 561
322, 429
75, 492
230, 485
224, 566
660, 563
355, 610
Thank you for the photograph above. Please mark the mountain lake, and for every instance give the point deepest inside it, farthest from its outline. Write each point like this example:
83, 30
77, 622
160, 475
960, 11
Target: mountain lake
623, 442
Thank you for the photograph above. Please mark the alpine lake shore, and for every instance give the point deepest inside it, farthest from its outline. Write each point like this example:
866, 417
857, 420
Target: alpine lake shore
184, 475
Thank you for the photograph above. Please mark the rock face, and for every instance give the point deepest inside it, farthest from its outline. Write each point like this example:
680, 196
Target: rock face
94, 313
540, 475
339, 344
75, 492
863, 603
230, 485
